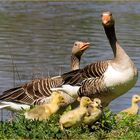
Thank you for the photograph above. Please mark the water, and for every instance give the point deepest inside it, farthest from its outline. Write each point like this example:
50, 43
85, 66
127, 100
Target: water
38, 37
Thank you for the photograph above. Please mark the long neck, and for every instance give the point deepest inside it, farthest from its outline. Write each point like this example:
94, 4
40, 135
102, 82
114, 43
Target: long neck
75, 62
119, 54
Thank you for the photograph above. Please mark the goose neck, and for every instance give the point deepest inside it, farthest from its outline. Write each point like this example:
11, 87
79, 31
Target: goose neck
75, 62
119, 54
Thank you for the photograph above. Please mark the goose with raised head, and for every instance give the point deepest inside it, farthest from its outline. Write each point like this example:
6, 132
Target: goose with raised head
38, 91
77, 51
107, 79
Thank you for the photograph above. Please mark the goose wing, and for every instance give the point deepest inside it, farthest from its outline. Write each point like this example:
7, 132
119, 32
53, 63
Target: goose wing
93, 87
90, 71
32, 92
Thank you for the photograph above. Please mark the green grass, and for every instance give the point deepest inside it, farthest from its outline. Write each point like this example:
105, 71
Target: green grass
105, 128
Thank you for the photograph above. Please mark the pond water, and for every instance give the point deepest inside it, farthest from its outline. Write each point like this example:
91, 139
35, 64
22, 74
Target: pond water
36, 39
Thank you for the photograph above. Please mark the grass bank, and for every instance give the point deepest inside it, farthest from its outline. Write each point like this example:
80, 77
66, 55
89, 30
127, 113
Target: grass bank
106, 128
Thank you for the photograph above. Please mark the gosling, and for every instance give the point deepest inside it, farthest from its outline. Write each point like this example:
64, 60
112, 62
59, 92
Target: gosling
133, 110
43, 112
75, 116
94, 112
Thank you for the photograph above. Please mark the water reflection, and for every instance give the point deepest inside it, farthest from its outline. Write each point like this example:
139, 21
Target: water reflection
39, 37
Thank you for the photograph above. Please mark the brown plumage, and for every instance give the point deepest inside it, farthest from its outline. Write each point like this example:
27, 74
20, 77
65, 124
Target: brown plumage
107, 79
38, 90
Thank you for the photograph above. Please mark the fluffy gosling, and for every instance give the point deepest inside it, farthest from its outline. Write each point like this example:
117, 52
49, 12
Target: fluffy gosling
134, 108
42, 112
75, 116
94, 112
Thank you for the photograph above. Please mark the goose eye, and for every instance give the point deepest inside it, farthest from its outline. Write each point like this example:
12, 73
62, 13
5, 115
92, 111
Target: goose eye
75, 44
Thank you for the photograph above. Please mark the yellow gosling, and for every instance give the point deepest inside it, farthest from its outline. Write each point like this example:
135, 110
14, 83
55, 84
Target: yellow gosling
75, 116
134, 108
42, 112
94, 112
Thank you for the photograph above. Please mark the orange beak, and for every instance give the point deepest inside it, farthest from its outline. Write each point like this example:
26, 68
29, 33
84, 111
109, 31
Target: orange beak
85, 46
106, 19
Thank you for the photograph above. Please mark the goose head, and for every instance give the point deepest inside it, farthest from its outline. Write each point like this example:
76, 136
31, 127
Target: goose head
107, 19
96, 104
79, 47
85, 101
135, 99
58, 98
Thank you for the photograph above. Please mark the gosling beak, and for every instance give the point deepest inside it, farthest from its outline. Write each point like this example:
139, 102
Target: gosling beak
78, 99
101, 106
64, 101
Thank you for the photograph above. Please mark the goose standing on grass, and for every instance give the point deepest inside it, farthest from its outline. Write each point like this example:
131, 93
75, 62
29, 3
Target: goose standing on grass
38, 91
94, 112
107, 79
74, 117
133, 110
42, 112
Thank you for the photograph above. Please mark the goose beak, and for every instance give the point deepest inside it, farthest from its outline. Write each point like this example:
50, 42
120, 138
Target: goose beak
85, 46
105, 19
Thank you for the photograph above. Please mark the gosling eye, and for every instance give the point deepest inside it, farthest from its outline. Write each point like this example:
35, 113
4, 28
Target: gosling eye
75, 44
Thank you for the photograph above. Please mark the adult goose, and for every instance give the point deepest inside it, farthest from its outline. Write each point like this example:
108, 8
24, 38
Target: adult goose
107, 79
38, 91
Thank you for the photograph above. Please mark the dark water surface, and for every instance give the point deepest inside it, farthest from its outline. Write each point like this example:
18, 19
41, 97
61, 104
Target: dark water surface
38, 37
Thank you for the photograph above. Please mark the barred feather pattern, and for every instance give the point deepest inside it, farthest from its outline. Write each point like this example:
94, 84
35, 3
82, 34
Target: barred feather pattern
95, 69
33, 92
93, 87
36, 91
90, 71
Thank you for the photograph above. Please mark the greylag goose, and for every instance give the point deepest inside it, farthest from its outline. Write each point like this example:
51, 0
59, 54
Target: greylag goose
75, 116
107, 79
94, 112
44, 111
38, 91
